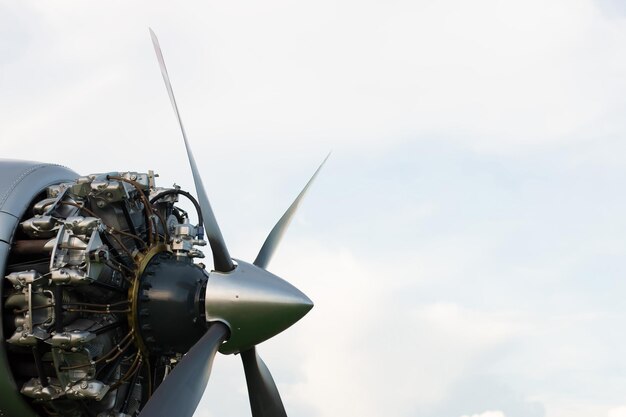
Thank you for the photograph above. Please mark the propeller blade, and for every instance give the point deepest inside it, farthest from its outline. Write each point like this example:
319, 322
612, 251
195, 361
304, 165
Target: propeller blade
221, 258
273, 239
264, 397
182, 389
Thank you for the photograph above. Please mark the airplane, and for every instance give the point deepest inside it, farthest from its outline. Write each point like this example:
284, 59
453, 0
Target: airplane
104, 306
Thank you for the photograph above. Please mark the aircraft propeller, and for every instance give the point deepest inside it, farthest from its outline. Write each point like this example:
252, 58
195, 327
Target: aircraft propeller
270, 306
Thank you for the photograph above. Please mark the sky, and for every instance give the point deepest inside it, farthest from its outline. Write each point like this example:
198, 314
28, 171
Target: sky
465, 243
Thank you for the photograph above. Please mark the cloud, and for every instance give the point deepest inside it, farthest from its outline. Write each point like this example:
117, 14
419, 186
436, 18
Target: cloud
617, 412
492, 76
487, 414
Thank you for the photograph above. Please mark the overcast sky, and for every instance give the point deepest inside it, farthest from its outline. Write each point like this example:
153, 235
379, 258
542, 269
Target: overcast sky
465, 244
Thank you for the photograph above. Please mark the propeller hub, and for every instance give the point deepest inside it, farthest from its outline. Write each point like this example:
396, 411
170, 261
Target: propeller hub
254, 303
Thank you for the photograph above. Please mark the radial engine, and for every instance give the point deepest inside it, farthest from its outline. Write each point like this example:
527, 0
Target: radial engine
104, 292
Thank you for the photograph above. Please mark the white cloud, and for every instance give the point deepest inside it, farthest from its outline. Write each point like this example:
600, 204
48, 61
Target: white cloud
499, 77
487, 414
617, 412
